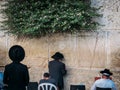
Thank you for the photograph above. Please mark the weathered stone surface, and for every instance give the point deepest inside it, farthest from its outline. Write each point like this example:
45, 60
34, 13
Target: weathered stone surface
110, 9
114, 49
3, 48
85, 54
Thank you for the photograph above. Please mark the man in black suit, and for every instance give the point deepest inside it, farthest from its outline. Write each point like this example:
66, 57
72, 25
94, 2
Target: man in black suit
16, 75
57, 69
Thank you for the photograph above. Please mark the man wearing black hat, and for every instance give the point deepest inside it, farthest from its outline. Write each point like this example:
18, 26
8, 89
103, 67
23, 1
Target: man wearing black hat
105, 83
16, 75
57, 69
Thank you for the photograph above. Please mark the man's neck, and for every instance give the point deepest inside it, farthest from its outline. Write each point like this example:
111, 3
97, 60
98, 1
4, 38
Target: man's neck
105, 77
46, 78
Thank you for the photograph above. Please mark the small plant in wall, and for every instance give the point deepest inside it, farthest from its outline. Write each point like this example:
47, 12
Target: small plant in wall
36, 18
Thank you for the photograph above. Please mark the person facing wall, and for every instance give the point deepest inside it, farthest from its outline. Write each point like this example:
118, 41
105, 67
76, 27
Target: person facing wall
47, 79
16, 75
57, 69
105, 82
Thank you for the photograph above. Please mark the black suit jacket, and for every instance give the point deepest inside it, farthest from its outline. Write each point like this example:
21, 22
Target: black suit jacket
57, 70
16, 76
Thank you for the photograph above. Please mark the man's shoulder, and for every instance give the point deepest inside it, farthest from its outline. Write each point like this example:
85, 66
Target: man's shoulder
8, 65
103, 80
54, 61
47, 81
42, 81
99, 80
51, 79
23, 65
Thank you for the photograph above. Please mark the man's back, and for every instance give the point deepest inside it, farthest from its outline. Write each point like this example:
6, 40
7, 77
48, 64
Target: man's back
57, 68
18, 76
48, 81
104, 83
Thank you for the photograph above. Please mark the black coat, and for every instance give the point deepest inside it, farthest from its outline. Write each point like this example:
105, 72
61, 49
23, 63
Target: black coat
16, 76
57, 70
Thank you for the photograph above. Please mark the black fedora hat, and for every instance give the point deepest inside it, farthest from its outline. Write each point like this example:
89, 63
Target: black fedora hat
106, 72
57, 56
16, 53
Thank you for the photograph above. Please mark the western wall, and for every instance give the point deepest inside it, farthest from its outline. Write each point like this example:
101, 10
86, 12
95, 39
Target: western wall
85, 54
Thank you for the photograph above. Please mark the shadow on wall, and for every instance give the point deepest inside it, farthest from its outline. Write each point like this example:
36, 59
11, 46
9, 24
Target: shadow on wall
116, 58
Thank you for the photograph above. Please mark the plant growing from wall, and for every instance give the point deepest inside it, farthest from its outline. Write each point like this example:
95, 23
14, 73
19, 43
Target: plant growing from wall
36, 18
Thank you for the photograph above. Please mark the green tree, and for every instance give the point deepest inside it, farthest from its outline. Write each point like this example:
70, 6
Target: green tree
36, 18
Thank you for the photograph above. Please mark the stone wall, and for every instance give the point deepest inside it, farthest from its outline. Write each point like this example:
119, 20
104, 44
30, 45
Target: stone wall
85, 53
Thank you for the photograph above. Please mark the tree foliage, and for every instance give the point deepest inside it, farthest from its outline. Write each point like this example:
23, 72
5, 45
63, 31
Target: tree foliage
36, 18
